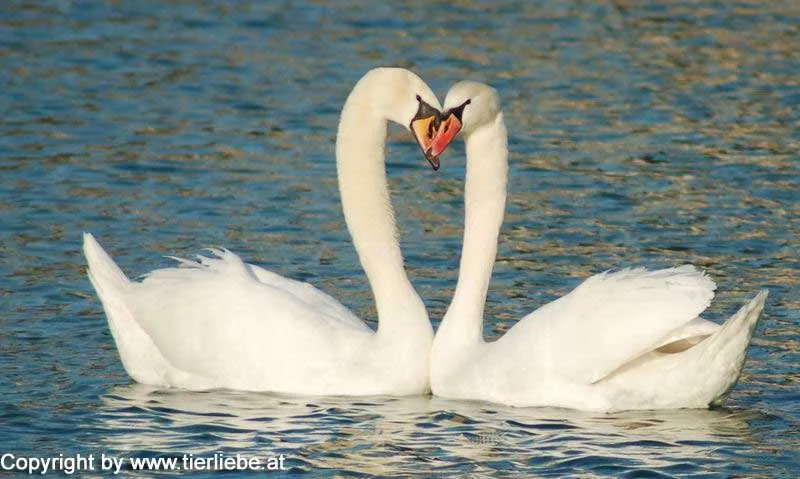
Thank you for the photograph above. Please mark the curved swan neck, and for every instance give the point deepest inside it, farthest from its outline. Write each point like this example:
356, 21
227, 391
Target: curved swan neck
484, 204
368, 212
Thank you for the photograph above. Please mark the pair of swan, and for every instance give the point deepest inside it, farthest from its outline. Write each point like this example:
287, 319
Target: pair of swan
625, 340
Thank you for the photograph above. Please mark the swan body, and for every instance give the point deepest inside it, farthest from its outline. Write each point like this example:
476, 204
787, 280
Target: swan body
630, 339
221, 323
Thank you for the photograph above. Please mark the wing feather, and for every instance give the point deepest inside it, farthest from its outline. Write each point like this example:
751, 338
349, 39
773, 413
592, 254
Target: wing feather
612, 318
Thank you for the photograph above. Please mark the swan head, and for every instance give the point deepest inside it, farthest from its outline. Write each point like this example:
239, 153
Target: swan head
468, 107
407, 100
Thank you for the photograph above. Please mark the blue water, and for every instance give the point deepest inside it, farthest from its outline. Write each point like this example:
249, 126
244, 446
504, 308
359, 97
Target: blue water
649, 135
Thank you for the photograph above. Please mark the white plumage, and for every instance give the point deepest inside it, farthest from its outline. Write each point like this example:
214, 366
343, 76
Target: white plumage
221, 323
631, 339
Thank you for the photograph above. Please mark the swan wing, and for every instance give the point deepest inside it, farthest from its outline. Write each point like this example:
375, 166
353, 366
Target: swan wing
223, 262
310, 295
687, 335
612, 318
213, 316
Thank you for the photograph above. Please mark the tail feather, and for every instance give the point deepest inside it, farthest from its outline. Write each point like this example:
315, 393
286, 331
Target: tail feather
727, 348
730, 334
105, 275
140, 357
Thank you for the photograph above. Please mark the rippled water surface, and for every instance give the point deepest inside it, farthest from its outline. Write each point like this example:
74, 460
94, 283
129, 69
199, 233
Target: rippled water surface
641, 135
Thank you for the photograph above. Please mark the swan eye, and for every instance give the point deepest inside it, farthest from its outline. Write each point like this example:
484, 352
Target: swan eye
459, 110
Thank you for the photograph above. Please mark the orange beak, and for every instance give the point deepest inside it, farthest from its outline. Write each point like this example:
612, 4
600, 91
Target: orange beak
445, 134
424, 130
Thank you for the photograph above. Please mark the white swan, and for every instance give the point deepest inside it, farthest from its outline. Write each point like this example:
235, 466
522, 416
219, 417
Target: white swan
625, 340
222, 323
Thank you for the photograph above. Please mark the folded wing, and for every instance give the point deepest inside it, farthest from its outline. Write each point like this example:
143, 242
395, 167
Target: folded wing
612, 318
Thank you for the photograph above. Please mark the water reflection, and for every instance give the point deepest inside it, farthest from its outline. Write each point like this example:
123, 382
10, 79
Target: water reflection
642, 133
410, 435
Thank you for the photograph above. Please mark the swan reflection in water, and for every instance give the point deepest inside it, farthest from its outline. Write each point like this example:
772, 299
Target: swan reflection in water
407, 435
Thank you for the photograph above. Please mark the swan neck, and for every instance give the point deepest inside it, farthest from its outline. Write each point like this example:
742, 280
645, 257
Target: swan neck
369, 215
484, 207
